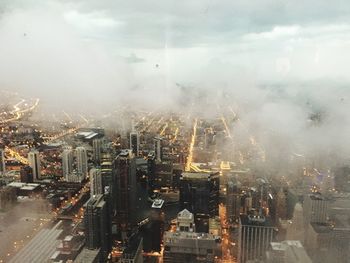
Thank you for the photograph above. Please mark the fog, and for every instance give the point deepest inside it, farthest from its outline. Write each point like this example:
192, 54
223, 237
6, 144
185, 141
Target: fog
286, 77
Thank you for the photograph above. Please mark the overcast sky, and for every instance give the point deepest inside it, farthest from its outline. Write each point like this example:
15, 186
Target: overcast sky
271, 40
98, 53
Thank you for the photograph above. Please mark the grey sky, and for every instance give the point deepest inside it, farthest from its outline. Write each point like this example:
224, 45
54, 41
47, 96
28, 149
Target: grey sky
279, 60
272, 39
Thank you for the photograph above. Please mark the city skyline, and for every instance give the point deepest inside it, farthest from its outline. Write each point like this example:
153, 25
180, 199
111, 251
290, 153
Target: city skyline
195, 131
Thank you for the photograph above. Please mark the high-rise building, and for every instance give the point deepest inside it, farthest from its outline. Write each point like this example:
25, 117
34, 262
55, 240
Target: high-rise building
97, 147
281, 205
125, 169
342, 179
199, 193
185, 245
135, 142
316, 208
2, 161
34, 163
151, 171
191, 247
67, 163
296, 230
255, 234
133, 251
95, 182
233, 199
158, 148
98, 225
82, 166
185, 221
287, 251
26, 174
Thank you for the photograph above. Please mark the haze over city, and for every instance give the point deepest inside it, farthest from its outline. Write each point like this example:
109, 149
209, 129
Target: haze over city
251, 96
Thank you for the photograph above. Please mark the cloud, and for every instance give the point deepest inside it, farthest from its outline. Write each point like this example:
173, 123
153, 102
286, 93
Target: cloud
96, 20
132, 58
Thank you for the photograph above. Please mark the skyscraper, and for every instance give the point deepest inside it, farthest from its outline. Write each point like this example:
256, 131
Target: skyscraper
199, 193
316, 209
98, 225
34, 163
97, 146
26, 174
158, 148
2, 161
255, 234
151, 171
296, 230
82, 166
125, 169
233, 199
281, 205
95, 182
67, 163
135, 142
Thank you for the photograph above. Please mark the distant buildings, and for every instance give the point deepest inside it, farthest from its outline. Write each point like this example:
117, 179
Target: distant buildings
255, 234
34, 163
98, 225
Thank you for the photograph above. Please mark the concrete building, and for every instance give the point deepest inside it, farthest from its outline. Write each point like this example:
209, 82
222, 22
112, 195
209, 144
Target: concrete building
26, 174
158, 148
190, 247
67, 163
288, 251
82, 166
185, 221
133, 252
199, 193
96, 150
296, 229
255, 234
98, 225
135, 142
34, 163
233, 199
316, 209
88, 256
95, 182
125, 174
